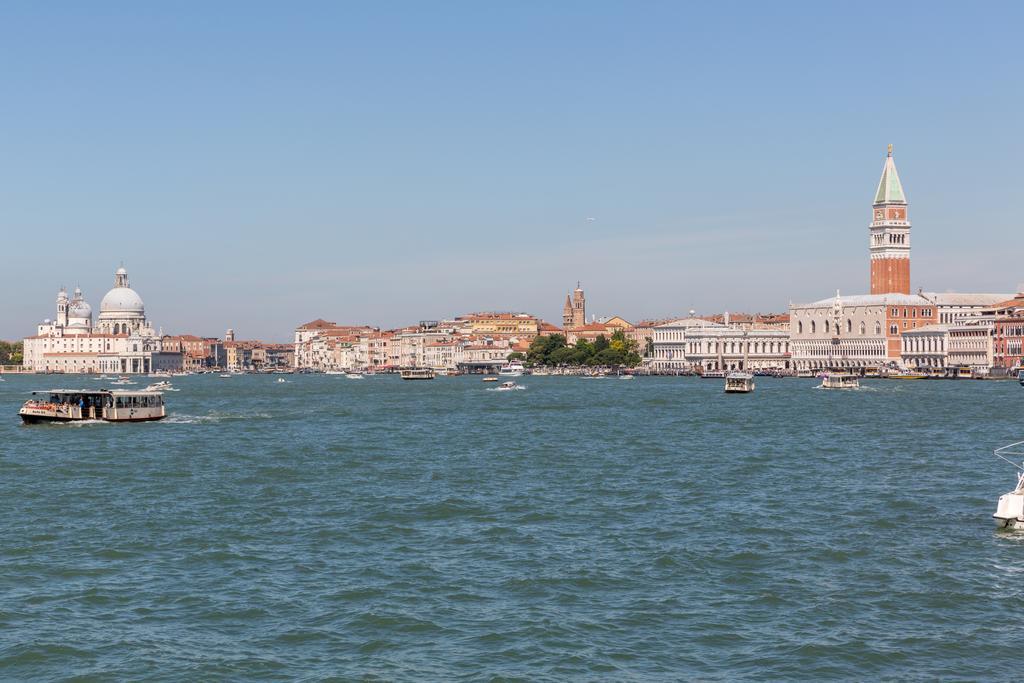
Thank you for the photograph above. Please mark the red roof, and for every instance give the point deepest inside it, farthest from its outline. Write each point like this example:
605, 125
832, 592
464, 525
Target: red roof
317, 324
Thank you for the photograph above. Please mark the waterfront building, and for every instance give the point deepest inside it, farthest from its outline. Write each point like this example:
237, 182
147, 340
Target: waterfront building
669, 341
855, 331
1008, 333
972, 343
925, 347
122, 340
722, 347
196, 352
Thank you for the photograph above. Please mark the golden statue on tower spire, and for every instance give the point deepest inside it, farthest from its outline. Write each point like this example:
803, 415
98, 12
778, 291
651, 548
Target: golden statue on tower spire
890, 149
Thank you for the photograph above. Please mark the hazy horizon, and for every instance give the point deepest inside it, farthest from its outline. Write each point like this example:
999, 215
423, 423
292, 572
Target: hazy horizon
257, 167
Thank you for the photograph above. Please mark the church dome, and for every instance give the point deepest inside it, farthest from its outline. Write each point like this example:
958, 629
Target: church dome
80, 309
121, 302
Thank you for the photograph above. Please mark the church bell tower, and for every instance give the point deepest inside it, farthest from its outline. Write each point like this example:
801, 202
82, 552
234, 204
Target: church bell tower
890, 235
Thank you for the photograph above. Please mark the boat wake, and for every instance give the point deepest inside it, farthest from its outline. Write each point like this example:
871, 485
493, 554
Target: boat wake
213, 418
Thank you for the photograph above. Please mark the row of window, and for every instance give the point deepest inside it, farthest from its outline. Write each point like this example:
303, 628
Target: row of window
913, 312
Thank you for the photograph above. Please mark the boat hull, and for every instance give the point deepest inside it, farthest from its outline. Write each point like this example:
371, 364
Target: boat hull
49, 419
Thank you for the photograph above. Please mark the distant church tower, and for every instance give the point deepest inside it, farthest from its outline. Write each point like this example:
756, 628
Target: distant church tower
62, 308
890, 235
574, 313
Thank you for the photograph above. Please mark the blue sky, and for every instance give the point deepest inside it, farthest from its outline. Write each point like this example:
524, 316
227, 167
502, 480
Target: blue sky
256, 165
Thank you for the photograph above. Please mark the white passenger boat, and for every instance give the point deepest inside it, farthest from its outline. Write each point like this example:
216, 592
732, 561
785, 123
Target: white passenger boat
417, 373
334, 372
512, 369
1009, 512
739, 383
75, 405
714, 374
508, 386
839, 380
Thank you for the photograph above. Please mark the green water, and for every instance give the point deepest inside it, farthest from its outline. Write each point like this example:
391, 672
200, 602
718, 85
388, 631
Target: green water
655, 529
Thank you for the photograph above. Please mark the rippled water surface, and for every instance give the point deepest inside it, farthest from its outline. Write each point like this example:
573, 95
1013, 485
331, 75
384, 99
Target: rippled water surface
582, 529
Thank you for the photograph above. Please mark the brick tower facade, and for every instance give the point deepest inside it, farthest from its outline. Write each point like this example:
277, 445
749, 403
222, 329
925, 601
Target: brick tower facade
574, 312
890, 235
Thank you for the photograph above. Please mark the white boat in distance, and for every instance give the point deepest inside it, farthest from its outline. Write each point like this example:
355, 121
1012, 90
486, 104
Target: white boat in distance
739, 383
417, 373
512, 369
839, 380
508, 386
1009, 512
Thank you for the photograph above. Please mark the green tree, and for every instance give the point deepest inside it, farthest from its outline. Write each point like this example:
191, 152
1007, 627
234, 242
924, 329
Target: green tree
11, 353
516, 355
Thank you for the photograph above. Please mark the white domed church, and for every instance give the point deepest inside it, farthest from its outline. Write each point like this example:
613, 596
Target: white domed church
121, 341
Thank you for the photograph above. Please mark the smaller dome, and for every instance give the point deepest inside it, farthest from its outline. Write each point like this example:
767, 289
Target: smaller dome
121, 271
80, 309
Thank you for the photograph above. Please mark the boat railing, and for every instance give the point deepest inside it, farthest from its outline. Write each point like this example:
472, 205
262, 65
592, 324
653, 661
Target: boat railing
1013, 449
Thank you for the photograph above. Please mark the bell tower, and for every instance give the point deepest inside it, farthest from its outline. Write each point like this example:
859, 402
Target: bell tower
62, 308
890, 234
579, 307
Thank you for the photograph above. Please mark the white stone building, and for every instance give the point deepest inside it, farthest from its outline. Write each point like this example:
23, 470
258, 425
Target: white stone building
734, 348
925, 347
669, 341
855, 331
122, 341
972, 342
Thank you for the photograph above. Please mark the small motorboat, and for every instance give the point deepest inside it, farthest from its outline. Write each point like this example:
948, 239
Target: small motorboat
354, 375
1009, 512
334, 372
508, 386
839, 380
1020, 376
625, 376
159, 386
739, 383
490, 379
282, 380
225, 376
122, 381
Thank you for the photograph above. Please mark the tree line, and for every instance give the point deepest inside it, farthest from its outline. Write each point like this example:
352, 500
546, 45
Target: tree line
552, 350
